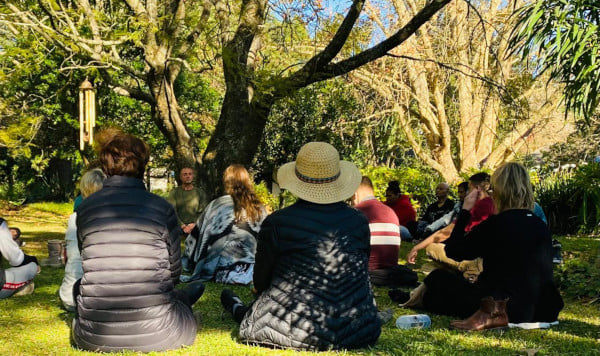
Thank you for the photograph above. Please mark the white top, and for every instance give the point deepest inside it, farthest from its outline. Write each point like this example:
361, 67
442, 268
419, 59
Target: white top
9, 248
73, 268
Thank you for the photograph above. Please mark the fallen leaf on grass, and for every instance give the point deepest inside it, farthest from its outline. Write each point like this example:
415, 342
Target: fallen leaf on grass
530, 352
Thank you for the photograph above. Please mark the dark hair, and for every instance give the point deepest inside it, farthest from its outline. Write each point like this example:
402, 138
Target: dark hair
394, 187
366, 181
122, 154
479, 178
17, 230
464, 186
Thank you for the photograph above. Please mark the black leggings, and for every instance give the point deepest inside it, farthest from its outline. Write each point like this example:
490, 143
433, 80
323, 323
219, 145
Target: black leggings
448, 293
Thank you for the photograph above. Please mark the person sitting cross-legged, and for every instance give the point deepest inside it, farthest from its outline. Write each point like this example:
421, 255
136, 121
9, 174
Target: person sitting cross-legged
223, 246
91, 182
17, 279
400, 203
435, 210
188, 200
450, 216
516, 284
131, 256
484, 208
385, 239
311, 271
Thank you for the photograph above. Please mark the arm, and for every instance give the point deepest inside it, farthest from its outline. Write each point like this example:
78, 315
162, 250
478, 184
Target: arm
437, 237
266, 256
172, 199
173, 240
462, 246
441, 222
467, 247
73, 266
10, 250
539, 212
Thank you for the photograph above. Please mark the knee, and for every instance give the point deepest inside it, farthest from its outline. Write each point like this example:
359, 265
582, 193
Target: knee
31, 269
437, 277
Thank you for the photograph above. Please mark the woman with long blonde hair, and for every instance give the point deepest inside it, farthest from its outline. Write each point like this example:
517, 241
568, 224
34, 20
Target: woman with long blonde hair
516, 284
224, 245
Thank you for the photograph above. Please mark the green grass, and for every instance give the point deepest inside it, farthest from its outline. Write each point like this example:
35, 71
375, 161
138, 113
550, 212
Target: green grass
51, 207
37, 325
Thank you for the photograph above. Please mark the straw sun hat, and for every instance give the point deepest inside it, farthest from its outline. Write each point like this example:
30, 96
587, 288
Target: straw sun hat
318, 175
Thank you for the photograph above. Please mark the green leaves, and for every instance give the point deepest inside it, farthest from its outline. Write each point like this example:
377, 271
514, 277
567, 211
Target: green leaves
565, 38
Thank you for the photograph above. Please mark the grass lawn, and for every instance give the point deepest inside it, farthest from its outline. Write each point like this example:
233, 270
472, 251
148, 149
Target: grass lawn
37, 325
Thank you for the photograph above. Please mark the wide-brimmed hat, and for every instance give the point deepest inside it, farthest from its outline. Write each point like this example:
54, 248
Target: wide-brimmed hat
318, 175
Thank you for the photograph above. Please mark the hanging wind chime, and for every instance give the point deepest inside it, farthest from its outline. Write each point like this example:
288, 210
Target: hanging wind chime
87, 113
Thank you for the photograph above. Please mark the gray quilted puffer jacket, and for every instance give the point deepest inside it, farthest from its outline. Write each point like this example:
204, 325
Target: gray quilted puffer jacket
311, 273
130, 244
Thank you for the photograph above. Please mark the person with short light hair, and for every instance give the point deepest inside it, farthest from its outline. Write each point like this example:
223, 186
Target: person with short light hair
189, 201
516, 284
384, 269
435, 210
91, 182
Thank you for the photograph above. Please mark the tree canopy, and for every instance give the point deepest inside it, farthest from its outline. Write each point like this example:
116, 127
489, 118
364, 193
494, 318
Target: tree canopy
140, 48
566, 39
461, 103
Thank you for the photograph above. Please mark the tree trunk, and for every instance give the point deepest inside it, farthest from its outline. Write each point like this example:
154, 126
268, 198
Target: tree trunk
237, 135
166, 115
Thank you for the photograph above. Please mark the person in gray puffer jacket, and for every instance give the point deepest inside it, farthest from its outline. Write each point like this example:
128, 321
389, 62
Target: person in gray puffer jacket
311, 271
130, 248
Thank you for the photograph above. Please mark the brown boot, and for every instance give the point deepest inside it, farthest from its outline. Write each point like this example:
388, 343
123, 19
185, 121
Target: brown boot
491, 315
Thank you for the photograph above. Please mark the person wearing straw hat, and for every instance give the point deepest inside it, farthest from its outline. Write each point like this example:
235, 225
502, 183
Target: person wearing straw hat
311, 271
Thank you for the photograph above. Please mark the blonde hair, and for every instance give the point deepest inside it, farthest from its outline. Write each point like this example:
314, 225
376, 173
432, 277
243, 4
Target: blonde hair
91, 182
237, 183
512, 187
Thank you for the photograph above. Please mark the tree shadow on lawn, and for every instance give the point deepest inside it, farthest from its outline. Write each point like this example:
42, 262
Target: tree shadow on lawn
509, 342
41, 237
435, 342
577, 328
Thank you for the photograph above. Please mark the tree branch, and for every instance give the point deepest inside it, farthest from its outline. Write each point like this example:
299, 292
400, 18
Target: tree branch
332, 70
337, 42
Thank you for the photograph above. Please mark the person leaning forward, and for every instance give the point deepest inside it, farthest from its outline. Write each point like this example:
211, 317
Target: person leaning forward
188, 200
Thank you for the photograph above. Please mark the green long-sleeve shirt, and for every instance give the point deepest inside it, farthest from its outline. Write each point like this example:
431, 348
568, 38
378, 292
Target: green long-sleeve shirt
187, 203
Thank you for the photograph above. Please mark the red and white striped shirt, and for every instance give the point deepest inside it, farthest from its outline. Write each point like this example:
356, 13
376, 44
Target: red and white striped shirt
385, 233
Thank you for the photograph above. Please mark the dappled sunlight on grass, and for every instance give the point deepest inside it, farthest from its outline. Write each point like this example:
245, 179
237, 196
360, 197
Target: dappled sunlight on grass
37, 325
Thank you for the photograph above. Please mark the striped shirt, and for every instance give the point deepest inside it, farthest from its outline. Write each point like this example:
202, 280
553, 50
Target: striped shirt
385, 233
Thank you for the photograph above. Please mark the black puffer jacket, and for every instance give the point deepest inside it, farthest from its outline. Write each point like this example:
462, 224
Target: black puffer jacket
131, 262
311, 273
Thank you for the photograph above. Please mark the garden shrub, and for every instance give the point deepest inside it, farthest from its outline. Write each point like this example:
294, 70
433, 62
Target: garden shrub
578, 278
14, 193
418, 183
265, 196
571, 201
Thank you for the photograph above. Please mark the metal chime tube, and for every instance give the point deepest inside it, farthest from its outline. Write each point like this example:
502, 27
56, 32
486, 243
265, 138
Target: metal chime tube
92, 118
81, 121
87, 113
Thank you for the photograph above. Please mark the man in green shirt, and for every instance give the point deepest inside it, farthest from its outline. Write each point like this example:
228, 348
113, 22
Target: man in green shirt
187, 200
